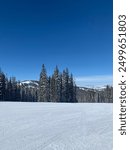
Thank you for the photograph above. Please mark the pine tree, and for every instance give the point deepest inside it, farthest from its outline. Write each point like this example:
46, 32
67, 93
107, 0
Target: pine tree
18, 96
6, 90
57, 87
65, 86
49, 83
75, 94
52, 89
108, 94
14, 89
71, 89
10, 90
61, 87
43, 86
2, 86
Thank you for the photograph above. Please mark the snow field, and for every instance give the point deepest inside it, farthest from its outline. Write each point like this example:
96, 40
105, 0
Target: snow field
55, 126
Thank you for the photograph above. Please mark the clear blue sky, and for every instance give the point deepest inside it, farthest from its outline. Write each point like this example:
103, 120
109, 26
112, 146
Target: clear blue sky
69, 33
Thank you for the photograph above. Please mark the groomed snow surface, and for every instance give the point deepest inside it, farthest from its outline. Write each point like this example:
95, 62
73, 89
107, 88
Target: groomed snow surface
55, 126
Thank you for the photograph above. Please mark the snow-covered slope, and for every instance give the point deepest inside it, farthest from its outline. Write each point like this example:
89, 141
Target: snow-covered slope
30, 83
91, 88
59, 126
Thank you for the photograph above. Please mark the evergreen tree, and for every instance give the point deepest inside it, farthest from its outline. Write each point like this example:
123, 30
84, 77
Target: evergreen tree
18, 96
14, 89
108, 94
43, 86
10, 90
75, 94
6, 90
71, 89
61, 88
57, 87
2, 86
52, 89
65, 86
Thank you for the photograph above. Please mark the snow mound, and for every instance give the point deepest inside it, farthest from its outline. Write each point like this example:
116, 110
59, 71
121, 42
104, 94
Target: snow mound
55, 126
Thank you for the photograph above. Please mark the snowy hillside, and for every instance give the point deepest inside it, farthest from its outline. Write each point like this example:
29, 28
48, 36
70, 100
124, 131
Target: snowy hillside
30, 83
95, 88
34, 83
55, 126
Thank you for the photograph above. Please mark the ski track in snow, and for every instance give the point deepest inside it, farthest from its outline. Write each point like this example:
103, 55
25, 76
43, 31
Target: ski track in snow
55, 126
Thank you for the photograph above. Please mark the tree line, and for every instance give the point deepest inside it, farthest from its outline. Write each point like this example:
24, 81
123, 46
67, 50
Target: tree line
60, 87
90, 95
13, 90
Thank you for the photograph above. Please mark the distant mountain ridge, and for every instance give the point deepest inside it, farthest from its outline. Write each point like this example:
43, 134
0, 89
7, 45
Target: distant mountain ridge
30, 83
35, 84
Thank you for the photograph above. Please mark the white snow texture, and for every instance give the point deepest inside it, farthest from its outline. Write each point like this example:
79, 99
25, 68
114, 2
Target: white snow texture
55, 126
